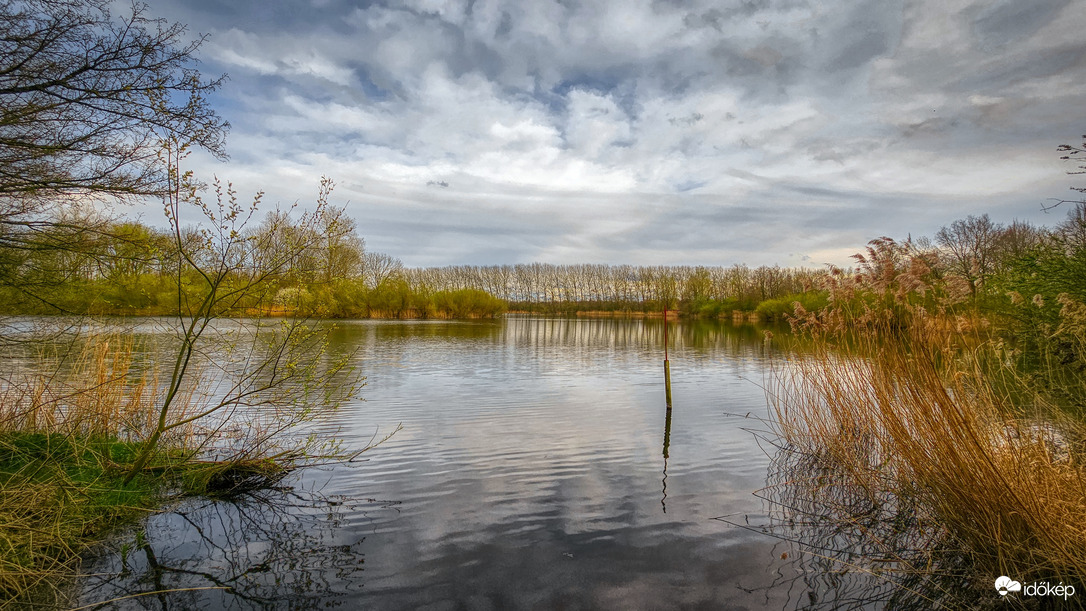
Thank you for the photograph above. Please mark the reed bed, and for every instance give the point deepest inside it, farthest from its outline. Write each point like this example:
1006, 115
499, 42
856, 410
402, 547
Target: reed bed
916, 435
93, 393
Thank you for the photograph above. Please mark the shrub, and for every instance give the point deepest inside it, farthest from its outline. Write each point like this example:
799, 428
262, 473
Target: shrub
781, 307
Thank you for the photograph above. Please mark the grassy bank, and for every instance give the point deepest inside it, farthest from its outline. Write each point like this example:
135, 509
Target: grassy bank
343, 298
58, 495
72, 428
61, 494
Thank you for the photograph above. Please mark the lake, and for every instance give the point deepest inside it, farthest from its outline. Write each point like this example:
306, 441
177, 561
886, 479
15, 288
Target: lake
536, 468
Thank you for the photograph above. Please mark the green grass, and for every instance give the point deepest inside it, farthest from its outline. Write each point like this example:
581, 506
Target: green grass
71, 462
58, 496
783, 307
61, 494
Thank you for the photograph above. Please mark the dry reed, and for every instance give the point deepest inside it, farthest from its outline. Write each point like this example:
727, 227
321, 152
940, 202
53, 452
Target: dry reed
98, 395
925, 411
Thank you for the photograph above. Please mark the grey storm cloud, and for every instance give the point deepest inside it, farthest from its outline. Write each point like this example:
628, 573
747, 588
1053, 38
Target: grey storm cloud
759, 131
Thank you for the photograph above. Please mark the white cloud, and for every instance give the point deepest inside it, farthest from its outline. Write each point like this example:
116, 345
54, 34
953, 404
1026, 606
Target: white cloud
744, 127
250, 51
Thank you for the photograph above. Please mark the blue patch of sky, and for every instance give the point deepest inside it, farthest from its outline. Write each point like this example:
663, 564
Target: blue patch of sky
690, 185
371, 89
618, 84
601, 82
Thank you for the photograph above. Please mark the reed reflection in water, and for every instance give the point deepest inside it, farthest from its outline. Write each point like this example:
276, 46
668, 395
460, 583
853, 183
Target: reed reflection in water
851, 547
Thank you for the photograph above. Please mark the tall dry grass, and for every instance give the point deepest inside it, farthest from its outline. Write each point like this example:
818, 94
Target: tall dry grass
92, 392
927, 412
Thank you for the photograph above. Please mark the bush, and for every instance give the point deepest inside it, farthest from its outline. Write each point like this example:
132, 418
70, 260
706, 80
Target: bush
468, 303
781, 307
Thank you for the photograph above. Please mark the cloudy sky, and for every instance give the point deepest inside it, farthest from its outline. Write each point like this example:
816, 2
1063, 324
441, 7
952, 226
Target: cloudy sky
648, 132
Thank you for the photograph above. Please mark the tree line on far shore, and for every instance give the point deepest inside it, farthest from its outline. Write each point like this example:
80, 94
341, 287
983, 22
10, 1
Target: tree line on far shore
85, 263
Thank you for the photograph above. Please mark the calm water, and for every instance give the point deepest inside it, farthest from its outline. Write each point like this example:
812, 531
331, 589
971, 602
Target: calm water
536, 469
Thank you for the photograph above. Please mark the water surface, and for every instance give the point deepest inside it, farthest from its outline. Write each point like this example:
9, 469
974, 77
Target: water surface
536, 468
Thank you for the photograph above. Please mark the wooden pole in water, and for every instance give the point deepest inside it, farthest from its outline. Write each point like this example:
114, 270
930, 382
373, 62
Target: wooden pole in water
667, 366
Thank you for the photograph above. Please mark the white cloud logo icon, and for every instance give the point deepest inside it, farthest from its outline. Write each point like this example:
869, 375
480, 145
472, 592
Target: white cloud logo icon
1005, 584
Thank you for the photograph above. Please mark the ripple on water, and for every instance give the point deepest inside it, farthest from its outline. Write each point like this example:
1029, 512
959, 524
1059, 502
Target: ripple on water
529, 473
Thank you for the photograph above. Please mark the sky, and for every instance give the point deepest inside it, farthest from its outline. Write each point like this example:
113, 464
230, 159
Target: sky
659, 132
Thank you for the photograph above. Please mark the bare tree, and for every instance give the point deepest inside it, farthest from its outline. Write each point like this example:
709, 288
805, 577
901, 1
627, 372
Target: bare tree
378, 267
1075, 154
85, 100
1072, 231
1016, 240
341, 248
969, 247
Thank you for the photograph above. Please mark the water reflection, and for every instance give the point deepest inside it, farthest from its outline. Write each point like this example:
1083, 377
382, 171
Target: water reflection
667, 446
700, 336
527, 475
277, 549
855, 548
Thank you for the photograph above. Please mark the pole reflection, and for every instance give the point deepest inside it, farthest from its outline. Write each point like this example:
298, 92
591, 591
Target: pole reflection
667, 446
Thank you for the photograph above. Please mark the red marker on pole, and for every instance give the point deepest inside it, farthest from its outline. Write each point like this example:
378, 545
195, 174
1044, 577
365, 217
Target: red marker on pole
667, 366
